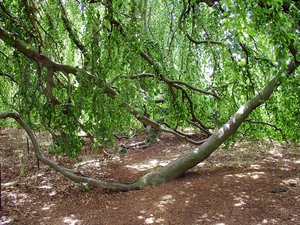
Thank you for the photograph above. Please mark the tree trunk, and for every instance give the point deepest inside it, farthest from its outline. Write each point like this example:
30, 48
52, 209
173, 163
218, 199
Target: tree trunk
187, 161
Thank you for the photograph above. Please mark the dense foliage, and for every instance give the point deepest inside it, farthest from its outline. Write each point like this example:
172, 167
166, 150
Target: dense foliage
114, 64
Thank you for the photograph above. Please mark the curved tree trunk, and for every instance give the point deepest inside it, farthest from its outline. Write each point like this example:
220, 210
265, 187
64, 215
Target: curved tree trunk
187, 161
199, 154
176, 168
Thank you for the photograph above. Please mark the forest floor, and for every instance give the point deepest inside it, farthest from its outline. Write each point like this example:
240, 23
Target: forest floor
248, 183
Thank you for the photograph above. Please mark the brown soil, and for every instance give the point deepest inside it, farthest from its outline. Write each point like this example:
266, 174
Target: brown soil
249, 183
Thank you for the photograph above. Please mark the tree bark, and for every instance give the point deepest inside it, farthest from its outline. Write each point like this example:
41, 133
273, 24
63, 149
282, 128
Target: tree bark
187, 161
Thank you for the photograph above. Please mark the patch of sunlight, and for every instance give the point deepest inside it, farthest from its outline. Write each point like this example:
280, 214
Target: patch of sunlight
35, 176
271, 221
201, 164
45, 187
12, 195
81, 133
167, 199
188, 184
148, 165
71, 220
253, 175
285, 168
225, 127
241, 110
160, 220
292, 182
297, 161
240, 201
270, 159
206, 219
52, 193
18, 198
93, 162
275, 152
196, 150
5, 220
9, 185
47, 207
151, 220
141, 217
255, 166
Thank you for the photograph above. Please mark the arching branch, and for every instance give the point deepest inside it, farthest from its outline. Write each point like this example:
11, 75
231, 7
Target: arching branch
72, 175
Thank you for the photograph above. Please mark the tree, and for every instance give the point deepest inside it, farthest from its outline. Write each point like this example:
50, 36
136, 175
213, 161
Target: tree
83, 65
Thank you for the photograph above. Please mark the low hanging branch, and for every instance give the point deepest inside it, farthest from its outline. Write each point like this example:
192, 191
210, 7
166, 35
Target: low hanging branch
72, 175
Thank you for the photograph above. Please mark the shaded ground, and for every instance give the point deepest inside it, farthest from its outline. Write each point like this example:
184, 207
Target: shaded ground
250, 183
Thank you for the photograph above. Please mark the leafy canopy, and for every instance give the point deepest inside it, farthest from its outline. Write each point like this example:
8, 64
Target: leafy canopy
180, 63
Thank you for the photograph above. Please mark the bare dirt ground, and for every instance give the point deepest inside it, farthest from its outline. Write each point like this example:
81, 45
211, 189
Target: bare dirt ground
249, 183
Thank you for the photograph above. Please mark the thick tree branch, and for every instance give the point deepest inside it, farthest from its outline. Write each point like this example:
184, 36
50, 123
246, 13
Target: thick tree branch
174, 84
293, 50
72, 175
156, 126
12, 40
